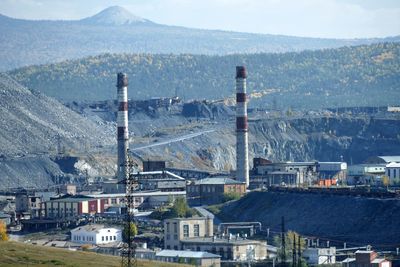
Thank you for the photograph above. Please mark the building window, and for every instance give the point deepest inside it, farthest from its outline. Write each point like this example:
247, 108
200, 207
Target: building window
106, 237
175, 227
394, 173
186, 230
196, 230
176, 237
167, 236
115, 237
167, 227
113, 201
102, 238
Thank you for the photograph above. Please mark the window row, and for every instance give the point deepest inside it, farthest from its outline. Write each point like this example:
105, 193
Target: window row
105, 238
83, 238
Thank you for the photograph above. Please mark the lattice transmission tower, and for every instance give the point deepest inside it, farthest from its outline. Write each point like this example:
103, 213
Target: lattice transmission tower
128, 255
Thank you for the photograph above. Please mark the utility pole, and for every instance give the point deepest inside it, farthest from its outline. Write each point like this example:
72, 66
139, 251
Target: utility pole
283, 245
294, 252
299, 251
131, 184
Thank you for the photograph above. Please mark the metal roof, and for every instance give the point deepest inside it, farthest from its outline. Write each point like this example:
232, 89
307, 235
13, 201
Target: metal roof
141, 194
389, 159
69, 198
186, 219
93, 228
217, 180
215, 240
186, 254
393, 165
159, 173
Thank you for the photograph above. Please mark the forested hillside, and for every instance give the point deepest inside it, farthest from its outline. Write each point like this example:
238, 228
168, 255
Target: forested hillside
349, 76
115, 30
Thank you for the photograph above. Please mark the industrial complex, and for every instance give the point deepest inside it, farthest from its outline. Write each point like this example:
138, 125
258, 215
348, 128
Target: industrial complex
98, 214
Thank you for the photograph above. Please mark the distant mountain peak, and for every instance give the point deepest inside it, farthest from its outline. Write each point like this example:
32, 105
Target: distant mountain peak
115, 15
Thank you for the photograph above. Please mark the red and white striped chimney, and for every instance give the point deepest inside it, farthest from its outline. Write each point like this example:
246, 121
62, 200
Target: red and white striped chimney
122, 126
242, 157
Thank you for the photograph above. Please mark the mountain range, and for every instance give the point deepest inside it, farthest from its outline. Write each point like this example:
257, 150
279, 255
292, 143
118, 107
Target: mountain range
116, 30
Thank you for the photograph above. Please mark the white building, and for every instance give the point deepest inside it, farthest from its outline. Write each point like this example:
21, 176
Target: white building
317, 256
393, 172
95, 234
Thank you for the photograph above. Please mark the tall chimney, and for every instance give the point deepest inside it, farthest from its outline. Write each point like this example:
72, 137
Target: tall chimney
242, 157
122, 126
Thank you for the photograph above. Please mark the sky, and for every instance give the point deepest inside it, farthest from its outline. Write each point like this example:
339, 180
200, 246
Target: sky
312, 18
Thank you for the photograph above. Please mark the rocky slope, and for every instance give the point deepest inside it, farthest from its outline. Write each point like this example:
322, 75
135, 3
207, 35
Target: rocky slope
300, 136
197, 134
359, 221
31, 122
34, 128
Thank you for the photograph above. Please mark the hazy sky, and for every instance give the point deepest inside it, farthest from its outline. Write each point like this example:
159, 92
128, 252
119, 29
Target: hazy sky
316, 18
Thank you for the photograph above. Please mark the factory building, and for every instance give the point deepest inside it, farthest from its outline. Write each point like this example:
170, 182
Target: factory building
213, 190
366, 258
366, 174
196, 258
78, 205
29, 204
160, 180
332, 170
178, 229
393, 173
266, 173
230, 248
72, 206
320, 256
191, 174
196, 234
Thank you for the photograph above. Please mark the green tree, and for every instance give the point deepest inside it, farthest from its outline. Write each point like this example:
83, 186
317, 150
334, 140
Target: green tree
231, 196
180, 208
290, 236
133, 231
3, 232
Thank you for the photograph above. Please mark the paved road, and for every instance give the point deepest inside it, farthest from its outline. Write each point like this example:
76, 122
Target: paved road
173, 140
206, 213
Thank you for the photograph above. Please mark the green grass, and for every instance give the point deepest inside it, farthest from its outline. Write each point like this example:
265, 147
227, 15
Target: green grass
19, 254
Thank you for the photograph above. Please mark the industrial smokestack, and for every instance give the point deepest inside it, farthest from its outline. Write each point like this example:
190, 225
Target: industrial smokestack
242, 157
122, 126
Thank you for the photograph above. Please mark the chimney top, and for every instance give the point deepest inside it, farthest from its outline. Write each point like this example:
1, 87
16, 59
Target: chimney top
122, 80
241, 72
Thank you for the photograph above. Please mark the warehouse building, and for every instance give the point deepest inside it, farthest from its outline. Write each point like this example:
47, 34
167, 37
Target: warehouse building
213, 190
196, 258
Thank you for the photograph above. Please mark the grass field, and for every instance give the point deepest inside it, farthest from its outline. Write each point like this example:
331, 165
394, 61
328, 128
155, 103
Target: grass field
19, 254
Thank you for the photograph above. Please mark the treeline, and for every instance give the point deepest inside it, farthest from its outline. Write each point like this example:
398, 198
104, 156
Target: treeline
349, 76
